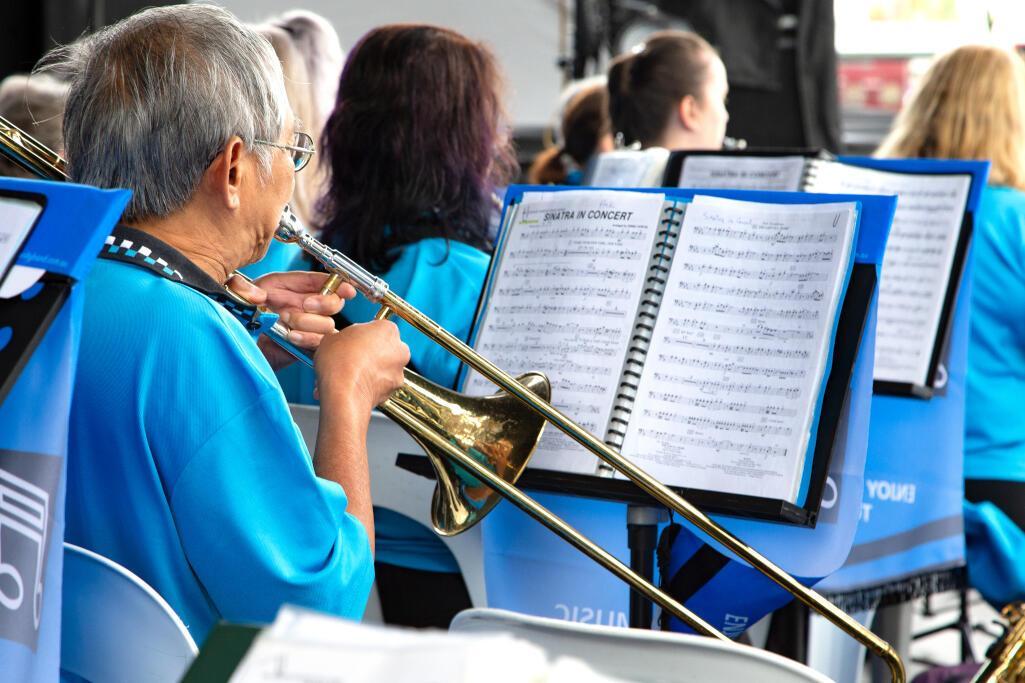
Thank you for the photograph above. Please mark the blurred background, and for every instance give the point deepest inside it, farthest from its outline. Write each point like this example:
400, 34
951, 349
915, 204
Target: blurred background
848, 65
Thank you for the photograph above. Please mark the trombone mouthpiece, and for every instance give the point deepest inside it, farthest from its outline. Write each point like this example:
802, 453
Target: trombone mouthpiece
289, 228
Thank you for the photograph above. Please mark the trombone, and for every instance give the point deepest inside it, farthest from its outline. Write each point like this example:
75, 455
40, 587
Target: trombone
480, 445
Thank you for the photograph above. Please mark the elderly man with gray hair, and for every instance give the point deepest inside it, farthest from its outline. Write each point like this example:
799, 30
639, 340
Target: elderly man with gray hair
185, 465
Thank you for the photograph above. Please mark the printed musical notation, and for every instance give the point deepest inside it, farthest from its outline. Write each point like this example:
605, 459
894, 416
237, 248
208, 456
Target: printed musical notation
753, 255
727, 333
563, 301
917, 262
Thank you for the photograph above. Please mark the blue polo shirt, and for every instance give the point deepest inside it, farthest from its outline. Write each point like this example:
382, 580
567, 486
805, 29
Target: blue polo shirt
443, 279
995, 387
185, 466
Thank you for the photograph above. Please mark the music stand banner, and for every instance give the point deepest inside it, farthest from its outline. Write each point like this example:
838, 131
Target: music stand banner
910, 538
34, 418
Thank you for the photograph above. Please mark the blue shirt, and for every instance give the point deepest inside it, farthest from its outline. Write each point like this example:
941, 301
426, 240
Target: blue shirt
185, 466
443, 279
995, 388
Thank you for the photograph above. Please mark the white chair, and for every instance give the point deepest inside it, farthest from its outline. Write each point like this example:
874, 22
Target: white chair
641, 656
404, 492
114, 627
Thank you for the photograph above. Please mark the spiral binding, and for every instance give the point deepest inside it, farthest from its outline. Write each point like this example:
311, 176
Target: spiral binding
644, 326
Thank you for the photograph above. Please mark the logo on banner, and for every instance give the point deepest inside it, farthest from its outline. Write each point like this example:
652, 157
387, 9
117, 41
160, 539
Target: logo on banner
734, 625
28, 485
592, 615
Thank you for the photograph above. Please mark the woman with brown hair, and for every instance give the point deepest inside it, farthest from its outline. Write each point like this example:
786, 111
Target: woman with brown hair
971, 105
415, 147
669, 92
584, 130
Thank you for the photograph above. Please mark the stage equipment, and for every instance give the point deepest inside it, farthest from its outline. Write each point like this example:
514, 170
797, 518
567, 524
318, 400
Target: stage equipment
493, 448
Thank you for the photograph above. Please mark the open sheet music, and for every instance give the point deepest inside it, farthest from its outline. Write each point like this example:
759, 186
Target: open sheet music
919, 263
695, 337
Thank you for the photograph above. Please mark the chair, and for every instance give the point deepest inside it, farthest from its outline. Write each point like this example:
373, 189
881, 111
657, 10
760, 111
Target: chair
641, 656
114, 627
404, 492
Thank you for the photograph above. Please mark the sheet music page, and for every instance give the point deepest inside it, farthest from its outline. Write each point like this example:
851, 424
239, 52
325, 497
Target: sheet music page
629, 168
563, 302
917, 262
742, 173
738, 357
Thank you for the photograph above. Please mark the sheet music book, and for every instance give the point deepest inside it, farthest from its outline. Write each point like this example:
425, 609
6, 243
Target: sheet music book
628, 168
924, 255
694, 336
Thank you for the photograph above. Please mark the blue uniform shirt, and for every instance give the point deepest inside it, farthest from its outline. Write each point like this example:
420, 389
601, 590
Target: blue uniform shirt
444, 280
995, 391
185, 466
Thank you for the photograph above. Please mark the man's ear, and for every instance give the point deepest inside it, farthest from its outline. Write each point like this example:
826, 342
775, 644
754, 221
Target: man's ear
223, 178
687, 110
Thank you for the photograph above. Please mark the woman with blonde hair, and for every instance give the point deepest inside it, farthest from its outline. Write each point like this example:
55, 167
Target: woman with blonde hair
311, 59
971, 105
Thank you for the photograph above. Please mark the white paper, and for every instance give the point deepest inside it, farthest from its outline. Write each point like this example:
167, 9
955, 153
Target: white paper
629, 168
917, 262
19, 279
737, 359
17, 216
563, 302
730, 172
306, 647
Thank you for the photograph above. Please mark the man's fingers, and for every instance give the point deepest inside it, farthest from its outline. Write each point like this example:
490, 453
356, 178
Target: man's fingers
247, 290
305, 340
308, 322
324, 304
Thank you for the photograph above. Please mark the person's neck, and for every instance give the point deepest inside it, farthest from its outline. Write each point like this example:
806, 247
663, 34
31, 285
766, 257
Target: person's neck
679, 138
196, 236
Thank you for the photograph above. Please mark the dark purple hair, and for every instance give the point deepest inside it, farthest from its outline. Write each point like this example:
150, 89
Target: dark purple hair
414, 144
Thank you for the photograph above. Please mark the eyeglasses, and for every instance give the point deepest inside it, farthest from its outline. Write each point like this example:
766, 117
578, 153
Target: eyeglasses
301, 151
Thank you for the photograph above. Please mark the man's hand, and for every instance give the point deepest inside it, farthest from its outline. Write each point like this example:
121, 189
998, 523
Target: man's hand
361, 365
296, 297
357, 369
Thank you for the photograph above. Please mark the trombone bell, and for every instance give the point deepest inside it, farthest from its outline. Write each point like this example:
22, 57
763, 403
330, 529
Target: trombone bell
498, 431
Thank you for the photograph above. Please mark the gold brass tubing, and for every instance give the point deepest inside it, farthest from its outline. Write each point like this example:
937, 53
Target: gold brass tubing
556, 524
647, 483
29, 153
332, 284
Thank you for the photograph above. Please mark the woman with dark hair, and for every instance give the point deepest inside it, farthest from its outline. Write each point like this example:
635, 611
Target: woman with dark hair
415, 146
670, 92
584, 130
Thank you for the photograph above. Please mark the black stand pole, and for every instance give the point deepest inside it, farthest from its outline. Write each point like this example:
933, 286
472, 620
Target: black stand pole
642, 539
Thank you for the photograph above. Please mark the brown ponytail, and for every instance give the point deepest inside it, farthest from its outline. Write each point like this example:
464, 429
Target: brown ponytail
585, 122
646, 85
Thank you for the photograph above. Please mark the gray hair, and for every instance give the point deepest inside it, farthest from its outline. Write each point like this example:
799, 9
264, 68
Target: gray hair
156, 96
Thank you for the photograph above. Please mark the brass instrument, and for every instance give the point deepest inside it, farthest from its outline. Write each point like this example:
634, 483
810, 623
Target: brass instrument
480, 445
1005, 659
